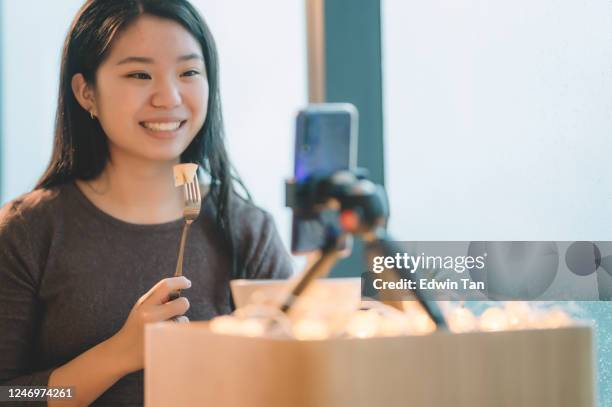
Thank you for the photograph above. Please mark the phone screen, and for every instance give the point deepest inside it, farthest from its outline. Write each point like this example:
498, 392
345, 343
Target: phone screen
326, 142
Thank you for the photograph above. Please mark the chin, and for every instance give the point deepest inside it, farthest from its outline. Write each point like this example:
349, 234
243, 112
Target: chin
162, 155
165, 157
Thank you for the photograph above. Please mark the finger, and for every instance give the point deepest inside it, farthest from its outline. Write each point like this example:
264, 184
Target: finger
170, 309
180, 319
159, 294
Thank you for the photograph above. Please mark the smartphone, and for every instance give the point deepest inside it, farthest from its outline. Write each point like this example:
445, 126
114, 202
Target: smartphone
325, 142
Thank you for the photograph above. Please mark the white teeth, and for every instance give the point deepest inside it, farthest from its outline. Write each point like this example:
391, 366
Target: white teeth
165, 126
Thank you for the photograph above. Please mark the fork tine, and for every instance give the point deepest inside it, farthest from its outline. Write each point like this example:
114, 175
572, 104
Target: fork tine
190, 191
193, 192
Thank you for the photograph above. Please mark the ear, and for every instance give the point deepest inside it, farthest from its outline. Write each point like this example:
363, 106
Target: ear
84, 93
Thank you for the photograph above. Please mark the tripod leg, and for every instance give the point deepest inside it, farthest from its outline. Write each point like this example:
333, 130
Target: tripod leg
319, 269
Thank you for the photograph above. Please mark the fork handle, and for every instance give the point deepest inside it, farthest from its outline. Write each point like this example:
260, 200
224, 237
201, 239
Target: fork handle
179, 263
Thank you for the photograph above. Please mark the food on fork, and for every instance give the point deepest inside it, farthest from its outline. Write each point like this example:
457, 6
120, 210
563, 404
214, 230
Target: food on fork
184, 173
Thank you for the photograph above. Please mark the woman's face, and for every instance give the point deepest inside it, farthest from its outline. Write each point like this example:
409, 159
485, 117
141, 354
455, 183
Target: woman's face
151, 92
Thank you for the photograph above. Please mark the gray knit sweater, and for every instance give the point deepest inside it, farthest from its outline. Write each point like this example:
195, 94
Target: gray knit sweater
70, 274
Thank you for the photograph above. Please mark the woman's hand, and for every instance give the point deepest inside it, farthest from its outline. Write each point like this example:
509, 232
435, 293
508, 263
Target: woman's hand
154, 306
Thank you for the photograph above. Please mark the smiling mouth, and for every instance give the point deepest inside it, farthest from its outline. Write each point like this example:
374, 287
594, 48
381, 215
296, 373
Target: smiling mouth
163, 126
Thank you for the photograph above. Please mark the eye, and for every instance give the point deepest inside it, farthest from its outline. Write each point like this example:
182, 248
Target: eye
191, 72
139, 75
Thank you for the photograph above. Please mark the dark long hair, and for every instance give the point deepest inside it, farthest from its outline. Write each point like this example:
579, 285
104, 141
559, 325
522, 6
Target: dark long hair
80, 148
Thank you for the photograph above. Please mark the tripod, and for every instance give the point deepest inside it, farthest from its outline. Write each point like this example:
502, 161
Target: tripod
360, 209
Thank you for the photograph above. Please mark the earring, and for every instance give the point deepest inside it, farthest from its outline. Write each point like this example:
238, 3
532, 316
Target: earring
91, 114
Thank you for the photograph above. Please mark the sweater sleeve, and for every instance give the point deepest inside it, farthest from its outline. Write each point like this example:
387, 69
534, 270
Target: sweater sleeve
20, 309
269, 259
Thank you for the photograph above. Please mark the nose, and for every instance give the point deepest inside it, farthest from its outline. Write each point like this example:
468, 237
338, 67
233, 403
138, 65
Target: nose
166, 94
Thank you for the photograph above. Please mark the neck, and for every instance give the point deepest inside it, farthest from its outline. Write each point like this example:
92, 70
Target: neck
136, 190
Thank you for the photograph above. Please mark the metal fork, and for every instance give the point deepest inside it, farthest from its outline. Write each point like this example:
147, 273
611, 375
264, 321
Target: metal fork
193, 203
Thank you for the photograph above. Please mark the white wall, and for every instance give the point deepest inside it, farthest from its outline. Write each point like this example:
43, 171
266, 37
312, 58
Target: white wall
32, 36
262, 48
498, 119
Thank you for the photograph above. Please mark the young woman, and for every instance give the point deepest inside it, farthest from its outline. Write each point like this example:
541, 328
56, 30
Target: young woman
87, 258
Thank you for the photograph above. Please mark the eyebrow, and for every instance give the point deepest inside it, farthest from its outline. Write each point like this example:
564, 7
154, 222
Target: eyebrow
147, 60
